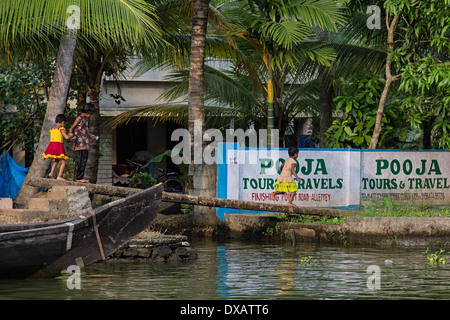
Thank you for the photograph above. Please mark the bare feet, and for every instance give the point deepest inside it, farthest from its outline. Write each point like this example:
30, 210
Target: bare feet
50, 176
291, 204
83, 181
61, 178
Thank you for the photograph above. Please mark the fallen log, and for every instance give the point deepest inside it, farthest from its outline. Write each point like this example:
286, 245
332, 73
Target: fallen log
252, 205
91, 187
196, 200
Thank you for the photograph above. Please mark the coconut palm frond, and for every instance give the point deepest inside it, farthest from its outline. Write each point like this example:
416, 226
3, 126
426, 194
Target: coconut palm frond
222, 88
355, 31
354, 59
137, 24
178, 52
322, 13
161, 112
286, 33
229, 88
29, 24
357, 50
179, 90
215, 116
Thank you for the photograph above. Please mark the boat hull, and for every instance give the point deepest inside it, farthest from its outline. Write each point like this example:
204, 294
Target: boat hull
47, 249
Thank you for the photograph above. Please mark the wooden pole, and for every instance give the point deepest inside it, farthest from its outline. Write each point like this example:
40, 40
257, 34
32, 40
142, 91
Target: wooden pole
196, 200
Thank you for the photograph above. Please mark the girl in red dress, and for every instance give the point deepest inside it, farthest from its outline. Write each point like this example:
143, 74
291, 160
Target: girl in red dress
55, 149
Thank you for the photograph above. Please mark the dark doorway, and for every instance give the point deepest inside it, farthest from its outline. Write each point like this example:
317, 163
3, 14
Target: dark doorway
129, 139
170, 128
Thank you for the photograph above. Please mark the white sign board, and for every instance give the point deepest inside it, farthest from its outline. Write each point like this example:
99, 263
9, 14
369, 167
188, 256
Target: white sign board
406, 177
338, 178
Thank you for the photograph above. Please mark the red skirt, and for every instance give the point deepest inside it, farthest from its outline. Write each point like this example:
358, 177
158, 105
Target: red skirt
55, 150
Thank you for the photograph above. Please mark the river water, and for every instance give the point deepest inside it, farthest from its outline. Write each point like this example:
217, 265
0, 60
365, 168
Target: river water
240, 270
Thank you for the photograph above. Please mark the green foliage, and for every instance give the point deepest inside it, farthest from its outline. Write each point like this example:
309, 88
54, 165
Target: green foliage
142, 181
427, 82
435, 258
424, 28
307, 260
23, 88
309, 219
277, 28
357, 109
272, 229
36, 25
421, 57
187, 208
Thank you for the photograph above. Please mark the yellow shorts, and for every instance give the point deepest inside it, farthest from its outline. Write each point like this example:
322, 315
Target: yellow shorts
286, 187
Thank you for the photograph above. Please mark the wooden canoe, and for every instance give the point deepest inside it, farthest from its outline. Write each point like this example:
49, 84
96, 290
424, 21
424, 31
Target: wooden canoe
47, 249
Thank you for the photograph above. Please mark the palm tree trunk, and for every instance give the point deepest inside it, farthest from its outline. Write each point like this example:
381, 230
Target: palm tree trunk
202, 177
55, 106
196, 76
270, 106
325, 94
325, 105
389, 79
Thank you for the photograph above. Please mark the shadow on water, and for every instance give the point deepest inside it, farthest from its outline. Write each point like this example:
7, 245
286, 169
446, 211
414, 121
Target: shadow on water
239, 270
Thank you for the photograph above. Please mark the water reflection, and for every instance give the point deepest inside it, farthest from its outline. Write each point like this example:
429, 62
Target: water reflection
275, 272
239, 270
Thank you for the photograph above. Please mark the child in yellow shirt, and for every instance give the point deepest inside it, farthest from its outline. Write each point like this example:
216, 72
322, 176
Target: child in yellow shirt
55, 149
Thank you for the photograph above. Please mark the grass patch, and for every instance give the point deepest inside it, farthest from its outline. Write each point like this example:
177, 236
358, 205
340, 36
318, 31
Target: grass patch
389, 209
385, 208
309, 219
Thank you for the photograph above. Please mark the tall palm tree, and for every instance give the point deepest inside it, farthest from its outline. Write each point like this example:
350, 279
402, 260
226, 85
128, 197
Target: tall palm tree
126, 22
197, 61
238, 93
281, 33
275, 34
242, 88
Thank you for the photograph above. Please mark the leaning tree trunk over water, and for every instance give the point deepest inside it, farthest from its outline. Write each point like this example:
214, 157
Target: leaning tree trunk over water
197, 200
108, 190
253, 205
55, 106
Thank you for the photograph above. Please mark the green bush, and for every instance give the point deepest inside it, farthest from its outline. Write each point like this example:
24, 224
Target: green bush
142, 181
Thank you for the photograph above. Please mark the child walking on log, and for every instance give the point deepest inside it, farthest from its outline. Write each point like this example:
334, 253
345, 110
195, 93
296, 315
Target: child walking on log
55, 149
285, 183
